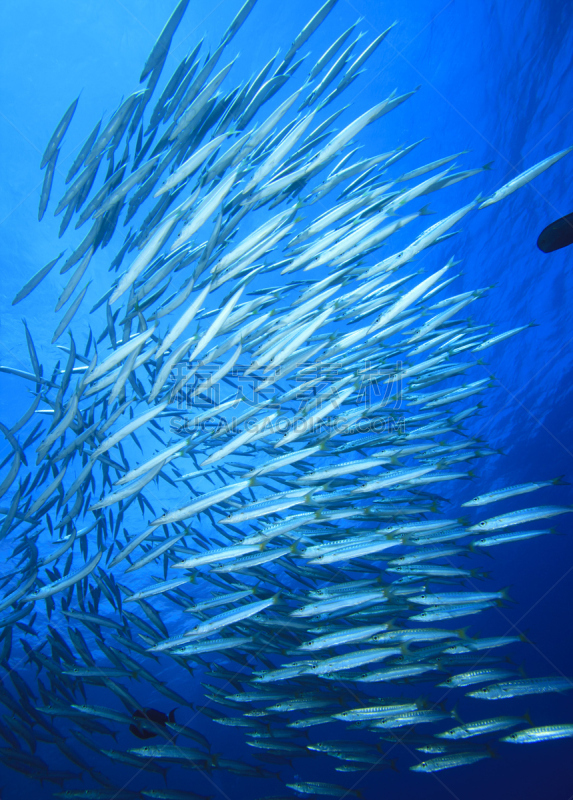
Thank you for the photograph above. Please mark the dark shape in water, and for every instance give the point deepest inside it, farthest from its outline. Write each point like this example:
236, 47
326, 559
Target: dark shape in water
141, 734
557, 235
152, 715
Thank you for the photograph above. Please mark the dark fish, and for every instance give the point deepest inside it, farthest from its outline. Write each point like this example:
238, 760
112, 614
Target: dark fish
47, 185
141, 734
86, 147
238, 21
151, 715
155, 716
58, 134
35, 280
161, 46
557, 235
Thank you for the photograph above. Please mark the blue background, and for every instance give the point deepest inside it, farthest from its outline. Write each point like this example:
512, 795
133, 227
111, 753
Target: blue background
497, 81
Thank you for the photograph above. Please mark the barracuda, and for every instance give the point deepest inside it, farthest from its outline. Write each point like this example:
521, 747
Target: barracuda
246, 336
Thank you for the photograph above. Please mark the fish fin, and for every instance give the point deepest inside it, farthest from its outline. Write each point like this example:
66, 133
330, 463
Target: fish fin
455, 715
489, 165
527, 718
491, 751
506, 596
172, 715
462, 633
393, 765
559, 481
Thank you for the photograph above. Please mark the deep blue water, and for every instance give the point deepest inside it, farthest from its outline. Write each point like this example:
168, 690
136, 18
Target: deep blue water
496, 80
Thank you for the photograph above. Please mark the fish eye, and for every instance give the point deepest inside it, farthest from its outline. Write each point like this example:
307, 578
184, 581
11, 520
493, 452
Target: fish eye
482, 524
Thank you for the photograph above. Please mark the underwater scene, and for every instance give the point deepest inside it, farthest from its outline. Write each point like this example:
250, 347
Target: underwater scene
285, 430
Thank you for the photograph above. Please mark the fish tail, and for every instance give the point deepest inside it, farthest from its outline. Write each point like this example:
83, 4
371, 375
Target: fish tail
506, 596
559, 481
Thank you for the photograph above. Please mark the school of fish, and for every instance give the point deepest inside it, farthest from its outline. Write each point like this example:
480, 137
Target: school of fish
269, 449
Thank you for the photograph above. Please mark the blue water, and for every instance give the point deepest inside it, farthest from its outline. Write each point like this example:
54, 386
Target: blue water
496, 80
